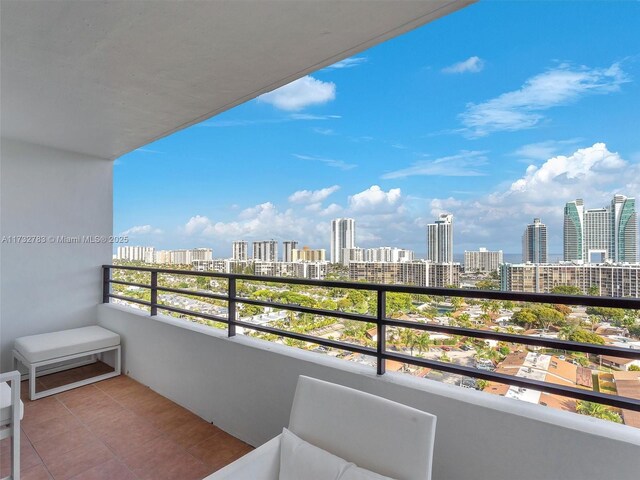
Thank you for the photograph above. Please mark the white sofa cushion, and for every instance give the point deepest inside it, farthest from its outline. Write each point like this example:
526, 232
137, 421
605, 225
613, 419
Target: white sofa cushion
353, 472
47, 346
375, 433
301, 460
5, 404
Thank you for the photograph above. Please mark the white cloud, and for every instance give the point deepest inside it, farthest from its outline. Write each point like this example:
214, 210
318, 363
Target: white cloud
521, 109
544, 150
471, 64
348, 63
324, 131
331, 210
141, 230
196, 225
309, 116
593, 173
375, 200
300, 94
330, 162
464, 164
312, 196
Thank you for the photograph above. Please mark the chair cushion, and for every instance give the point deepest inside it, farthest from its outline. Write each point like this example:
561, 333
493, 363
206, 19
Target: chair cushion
353, 472
375, 433
48, 346
5, 404
301, 460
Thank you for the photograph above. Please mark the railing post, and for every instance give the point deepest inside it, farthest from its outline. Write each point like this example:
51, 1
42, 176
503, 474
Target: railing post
106, 285
231, 316
381, 343
154, 294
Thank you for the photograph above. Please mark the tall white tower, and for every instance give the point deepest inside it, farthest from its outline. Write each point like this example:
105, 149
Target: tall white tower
440, 239
240, 250
343, 235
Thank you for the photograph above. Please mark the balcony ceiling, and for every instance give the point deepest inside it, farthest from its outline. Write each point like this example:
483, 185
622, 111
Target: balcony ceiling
105, 77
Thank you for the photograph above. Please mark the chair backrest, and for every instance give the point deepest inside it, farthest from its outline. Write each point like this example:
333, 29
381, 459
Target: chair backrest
374, 433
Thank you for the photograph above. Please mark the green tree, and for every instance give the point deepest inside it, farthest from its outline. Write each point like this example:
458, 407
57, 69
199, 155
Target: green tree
634, 330
594, 290
247, 310
488, 285
607, 314
463, 320
566, 290
422, 342
457, 302
525, 318
634, 368
584, 336
409, 339
398, 303
597, 410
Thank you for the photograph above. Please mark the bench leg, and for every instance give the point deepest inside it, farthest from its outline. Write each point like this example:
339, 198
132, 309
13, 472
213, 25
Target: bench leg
32, 382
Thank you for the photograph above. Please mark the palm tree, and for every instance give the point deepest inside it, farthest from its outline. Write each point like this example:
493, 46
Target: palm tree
422, 342
409, 339
597, 410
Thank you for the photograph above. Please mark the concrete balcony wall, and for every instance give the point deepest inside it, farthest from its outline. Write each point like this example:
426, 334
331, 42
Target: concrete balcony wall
246, 387
51, 286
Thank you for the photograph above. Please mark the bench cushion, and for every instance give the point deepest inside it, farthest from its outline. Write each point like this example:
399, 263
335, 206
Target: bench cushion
47, 346
5, 404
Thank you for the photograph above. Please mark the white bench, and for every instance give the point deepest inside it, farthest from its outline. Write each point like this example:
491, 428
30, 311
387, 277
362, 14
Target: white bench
64, 349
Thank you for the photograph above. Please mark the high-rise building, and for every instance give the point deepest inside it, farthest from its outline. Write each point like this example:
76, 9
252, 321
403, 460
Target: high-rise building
573, 230
240, 251
343, 235
136, 254
601, 234
288, 247
266, 251
201, 254
482, 260
440, 239
534, 242
420, 273
609, 280
624, 229
388, 254
355, 254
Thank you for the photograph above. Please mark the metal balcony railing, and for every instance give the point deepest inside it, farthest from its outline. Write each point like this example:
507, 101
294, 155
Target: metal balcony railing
380, 352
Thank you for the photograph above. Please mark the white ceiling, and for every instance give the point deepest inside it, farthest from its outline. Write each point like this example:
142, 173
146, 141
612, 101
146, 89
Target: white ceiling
105, 77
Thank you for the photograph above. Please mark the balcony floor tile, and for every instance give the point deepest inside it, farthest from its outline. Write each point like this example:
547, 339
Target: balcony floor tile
116, 429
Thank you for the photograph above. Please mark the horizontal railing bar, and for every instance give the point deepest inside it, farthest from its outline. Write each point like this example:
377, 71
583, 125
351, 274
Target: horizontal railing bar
314, 311
132, 284
579, 300
588, 395
130, 299
194, 293
191, 313
308, 338
514, 338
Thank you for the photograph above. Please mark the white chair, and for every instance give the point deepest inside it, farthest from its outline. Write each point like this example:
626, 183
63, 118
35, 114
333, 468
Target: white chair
382, 436
11, 412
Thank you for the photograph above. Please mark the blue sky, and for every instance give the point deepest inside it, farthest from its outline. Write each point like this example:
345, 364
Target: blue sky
497, 113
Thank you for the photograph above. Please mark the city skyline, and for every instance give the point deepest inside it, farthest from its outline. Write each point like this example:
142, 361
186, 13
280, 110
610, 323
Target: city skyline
486, 146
